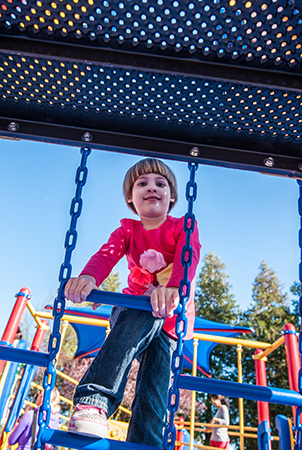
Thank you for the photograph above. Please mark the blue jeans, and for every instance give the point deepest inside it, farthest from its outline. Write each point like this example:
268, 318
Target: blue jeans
134, 334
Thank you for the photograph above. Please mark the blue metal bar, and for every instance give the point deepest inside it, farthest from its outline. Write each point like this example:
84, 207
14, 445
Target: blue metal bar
282, 426
264, 436
141, 302
241, 390
8, 353
298, 422
71, 440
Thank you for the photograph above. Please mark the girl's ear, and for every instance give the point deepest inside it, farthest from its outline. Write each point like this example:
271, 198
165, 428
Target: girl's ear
172, 199
129, 200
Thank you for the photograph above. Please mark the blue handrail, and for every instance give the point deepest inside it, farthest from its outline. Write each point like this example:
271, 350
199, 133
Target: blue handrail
141, 302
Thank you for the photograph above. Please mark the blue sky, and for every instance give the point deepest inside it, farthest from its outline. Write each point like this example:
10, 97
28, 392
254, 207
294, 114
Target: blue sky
243, 217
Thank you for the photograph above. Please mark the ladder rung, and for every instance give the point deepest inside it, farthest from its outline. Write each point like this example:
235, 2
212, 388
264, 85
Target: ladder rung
13, 354
71, 440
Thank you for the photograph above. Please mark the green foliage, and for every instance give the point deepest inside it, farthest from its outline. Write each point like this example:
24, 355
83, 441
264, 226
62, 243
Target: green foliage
295, 289
270, 308
112, 283
214, 301
267, 314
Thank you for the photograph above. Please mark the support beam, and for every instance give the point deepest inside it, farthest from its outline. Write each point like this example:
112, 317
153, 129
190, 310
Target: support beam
274, 79
285, 164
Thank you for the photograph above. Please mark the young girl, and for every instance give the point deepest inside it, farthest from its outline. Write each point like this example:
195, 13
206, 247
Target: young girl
22, 433
219, 437
153, 248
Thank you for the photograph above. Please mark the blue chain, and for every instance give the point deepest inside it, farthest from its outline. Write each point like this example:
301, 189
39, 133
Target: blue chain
59, 303
298, 424
181, 320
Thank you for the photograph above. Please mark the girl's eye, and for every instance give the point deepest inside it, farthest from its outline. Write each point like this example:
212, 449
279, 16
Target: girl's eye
160, 184
142, 183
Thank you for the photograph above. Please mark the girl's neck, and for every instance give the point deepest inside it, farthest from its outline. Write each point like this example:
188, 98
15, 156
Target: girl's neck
151, 223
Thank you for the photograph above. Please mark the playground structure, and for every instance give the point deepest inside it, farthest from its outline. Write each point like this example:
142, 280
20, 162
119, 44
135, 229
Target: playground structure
204, 82
14, 386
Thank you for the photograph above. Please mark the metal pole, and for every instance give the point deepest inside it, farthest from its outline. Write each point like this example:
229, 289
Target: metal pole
39, 337
15, 318
193, 397
292, 357
260, 370
240, 400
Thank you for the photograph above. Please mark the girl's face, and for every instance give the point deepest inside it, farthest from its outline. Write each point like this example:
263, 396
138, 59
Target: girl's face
216, 402
151, 196
39, 399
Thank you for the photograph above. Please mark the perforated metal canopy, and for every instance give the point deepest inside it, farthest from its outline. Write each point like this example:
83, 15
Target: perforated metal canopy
215, 81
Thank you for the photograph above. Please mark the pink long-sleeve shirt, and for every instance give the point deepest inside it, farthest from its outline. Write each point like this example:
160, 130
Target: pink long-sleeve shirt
131, 239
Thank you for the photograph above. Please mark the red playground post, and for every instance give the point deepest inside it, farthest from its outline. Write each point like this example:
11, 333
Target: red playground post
180, 434
292, 358
39, 337
14, 321
260, 369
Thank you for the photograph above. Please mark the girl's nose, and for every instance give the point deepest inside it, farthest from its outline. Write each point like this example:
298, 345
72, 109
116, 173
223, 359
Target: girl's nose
152, 187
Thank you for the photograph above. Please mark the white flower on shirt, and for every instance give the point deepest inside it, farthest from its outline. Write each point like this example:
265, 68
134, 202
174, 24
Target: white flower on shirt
152, 260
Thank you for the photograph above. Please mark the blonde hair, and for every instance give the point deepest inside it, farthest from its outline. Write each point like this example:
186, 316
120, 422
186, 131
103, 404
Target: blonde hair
55, 400
142, 167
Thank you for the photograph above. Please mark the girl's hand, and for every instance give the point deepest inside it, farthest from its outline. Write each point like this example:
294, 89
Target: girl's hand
78, 289
163, 301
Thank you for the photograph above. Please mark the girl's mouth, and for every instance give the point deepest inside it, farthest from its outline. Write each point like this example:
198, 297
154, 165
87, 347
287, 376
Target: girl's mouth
152, 198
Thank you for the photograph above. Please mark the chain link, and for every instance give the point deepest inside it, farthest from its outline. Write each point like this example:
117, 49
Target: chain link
298, 424
181, 320
59, 303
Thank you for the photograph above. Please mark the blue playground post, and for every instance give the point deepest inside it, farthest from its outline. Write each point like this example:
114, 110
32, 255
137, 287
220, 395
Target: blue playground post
264, 436
27, 378
284, 432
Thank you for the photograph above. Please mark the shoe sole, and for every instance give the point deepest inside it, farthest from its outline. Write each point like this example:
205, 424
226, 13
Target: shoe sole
84, 432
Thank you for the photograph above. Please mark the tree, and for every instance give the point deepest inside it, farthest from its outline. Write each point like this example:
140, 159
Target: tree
267, 314
111, 284
214, 301
295, 289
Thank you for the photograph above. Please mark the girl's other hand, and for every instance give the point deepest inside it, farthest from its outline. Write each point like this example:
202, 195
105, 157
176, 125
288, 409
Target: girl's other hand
163, 301
78, 289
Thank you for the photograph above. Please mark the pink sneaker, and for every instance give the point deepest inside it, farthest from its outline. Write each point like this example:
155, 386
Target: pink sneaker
88, 421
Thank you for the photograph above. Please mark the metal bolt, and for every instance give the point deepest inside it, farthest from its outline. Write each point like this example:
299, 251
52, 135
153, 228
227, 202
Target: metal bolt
87, 137
269, 162
13, 126
300, 166
194, 151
